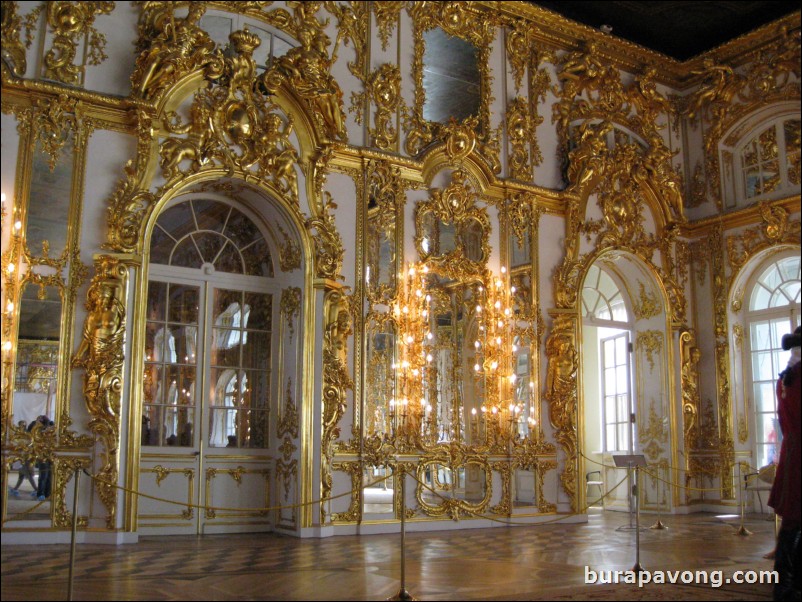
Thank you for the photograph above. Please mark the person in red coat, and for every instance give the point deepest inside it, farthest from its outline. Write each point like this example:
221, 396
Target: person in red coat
785, 495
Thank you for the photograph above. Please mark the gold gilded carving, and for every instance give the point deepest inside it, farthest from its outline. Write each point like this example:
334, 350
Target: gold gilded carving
648, 305
329, 248
519, 132
169, 47
336, 379
698, 194
385, 88
13, 48
289, 252
561, 393
232, 125
291, 306
128, 208
64, 469
353, 20
725, 96
455, 205
101, 355
305, 70
738, 336
719, 84
653, 433
504, 507
543, 505
776, 228
651, 343
587, 159
287, 428
161, 474
689, 380
521, 212
743, 429
387, 14
354, 512
52, 121
37, 444
453, 458
724, 399
461, 20
70, 22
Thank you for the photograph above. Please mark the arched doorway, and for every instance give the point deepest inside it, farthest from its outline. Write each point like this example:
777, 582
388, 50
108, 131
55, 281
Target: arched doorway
218, 362
626, 392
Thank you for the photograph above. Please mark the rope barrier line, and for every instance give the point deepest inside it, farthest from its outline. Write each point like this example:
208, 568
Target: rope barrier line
22, 515
646, 471
226, 508
669, 466
491, 518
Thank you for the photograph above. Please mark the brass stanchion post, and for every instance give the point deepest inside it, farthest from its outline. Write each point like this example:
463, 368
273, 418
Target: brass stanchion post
659, 524
402, 594
742, 531
638, 566
72, 535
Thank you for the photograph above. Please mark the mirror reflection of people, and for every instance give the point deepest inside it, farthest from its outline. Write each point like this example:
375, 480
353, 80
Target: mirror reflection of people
25, 470
45, 467
786, 497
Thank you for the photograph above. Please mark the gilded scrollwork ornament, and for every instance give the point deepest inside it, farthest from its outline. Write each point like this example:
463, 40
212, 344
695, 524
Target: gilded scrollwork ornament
387, 14
329, 248
519, 133
383, 87
170, 47
289, 252
561, 393
776, 228
70, 22
338, 320
101, 355
290, 307
13, 48
354, 512
306, 72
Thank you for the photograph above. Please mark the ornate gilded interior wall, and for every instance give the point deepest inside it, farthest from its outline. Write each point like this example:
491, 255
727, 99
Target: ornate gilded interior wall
438, 323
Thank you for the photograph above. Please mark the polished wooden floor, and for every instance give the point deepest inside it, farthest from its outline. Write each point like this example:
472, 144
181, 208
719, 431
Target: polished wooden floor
518, 563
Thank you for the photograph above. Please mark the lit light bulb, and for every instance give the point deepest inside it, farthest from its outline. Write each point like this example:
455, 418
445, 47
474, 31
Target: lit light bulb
476, 367
10, 307
7, 346
18, 225
513, 289
429, 357
473, 411
503, 270
476, 344
11, 268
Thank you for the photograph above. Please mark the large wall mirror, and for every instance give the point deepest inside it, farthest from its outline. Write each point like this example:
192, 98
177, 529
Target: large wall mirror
451, 70
46, 228
451, 78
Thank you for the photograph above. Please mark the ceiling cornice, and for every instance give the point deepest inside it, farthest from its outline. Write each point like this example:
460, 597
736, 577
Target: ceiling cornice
557, 32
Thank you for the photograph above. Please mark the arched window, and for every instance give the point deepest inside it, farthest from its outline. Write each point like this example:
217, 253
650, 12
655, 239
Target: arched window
208, 329
774, 302
769, 161
605, 312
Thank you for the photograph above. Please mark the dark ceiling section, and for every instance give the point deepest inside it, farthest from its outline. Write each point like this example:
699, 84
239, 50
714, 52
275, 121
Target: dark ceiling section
680, 30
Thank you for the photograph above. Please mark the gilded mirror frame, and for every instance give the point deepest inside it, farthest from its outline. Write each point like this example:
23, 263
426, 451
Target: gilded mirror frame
50, 128
473, 26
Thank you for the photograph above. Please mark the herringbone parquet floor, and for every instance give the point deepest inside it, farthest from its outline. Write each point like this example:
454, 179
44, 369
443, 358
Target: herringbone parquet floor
520, 563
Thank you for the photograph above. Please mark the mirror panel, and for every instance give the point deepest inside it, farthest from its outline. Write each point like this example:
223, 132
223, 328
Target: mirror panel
379, 378
47, 222
451, 78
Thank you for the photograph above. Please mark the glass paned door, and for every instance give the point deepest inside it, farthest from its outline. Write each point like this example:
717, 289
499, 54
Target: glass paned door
171, 365
767, 360
616, 397
240, 356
